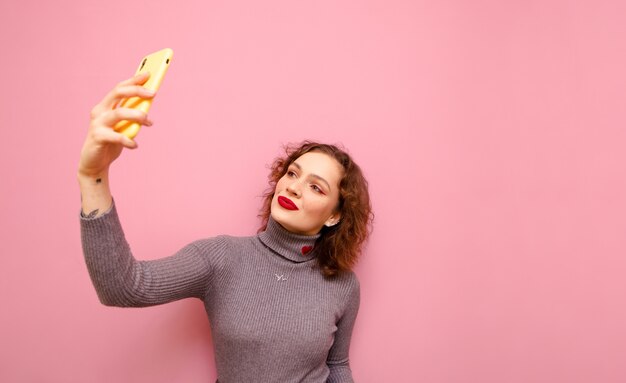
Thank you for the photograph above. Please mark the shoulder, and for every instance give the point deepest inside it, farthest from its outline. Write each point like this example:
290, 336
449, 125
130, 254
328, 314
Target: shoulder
354, 286
349, 293
222, 249
349, 279
220, 243
346, 286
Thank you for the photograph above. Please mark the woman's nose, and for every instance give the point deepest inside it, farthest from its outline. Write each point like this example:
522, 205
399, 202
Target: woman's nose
294, 188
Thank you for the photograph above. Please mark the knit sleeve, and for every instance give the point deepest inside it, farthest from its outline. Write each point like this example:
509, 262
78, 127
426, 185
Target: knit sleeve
338, 360
121, 280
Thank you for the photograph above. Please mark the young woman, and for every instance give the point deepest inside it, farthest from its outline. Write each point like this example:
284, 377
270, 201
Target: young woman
282, 303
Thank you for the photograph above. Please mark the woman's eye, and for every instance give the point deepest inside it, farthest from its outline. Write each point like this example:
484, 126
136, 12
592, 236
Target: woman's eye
291, 174
317, 189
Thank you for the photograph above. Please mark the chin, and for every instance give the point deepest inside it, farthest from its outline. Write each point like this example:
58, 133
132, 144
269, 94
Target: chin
288, 223
282, 220
292, 222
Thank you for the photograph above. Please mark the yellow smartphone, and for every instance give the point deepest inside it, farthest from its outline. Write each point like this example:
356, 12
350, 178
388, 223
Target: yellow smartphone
156, 63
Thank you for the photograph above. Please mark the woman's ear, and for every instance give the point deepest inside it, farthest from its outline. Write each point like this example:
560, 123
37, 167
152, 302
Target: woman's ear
333, 220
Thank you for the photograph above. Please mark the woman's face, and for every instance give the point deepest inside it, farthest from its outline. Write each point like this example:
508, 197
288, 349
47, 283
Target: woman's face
307, 195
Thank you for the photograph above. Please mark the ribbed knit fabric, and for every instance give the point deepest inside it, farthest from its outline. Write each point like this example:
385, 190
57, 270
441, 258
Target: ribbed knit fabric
273, 316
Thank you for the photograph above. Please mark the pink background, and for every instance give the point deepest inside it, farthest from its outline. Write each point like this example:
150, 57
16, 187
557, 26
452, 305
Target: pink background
492, 134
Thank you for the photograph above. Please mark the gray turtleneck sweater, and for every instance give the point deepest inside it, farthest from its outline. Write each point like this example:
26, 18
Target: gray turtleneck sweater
273, 316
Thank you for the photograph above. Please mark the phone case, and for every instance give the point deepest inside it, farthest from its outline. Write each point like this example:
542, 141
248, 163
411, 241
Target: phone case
156, 63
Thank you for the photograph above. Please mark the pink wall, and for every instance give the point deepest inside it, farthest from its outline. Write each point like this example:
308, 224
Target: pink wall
492, 134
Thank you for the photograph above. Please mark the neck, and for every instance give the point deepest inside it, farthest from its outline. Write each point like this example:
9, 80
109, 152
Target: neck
294, 247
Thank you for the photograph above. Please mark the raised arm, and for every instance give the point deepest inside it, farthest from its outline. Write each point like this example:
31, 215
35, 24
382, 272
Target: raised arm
103, 144
119, 279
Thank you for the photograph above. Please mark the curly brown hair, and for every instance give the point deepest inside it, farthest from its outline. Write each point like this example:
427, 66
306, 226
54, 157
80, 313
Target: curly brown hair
338, 246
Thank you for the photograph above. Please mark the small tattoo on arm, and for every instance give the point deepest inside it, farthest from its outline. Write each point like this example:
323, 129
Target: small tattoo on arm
98, 180
92, 214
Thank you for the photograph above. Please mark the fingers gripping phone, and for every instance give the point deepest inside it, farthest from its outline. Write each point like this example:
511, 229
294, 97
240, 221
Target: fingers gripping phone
156, 63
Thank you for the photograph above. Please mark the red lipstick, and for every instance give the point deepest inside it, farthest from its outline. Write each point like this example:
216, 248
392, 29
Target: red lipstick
287, 203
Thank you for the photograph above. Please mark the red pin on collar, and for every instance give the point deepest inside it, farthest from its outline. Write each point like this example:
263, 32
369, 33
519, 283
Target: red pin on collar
306, 249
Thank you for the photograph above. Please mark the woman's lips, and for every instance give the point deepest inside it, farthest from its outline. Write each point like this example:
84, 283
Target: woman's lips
287, 203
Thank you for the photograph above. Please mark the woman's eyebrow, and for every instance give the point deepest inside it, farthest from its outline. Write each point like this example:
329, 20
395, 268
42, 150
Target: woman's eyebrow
297, 165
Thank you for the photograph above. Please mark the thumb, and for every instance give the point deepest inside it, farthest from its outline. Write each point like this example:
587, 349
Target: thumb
128, 143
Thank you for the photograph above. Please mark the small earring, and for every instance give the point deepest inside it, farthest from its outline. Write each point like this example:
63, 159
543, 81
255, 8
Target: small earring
331, 224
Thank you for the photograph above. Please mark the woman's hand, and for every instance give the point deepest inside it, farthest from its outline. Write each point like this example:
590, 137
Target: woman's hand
103, 144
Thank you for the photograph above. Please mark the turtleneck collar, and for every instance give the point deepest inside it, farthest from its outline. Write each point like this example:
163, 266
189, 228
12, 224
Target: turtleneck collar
295, 247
